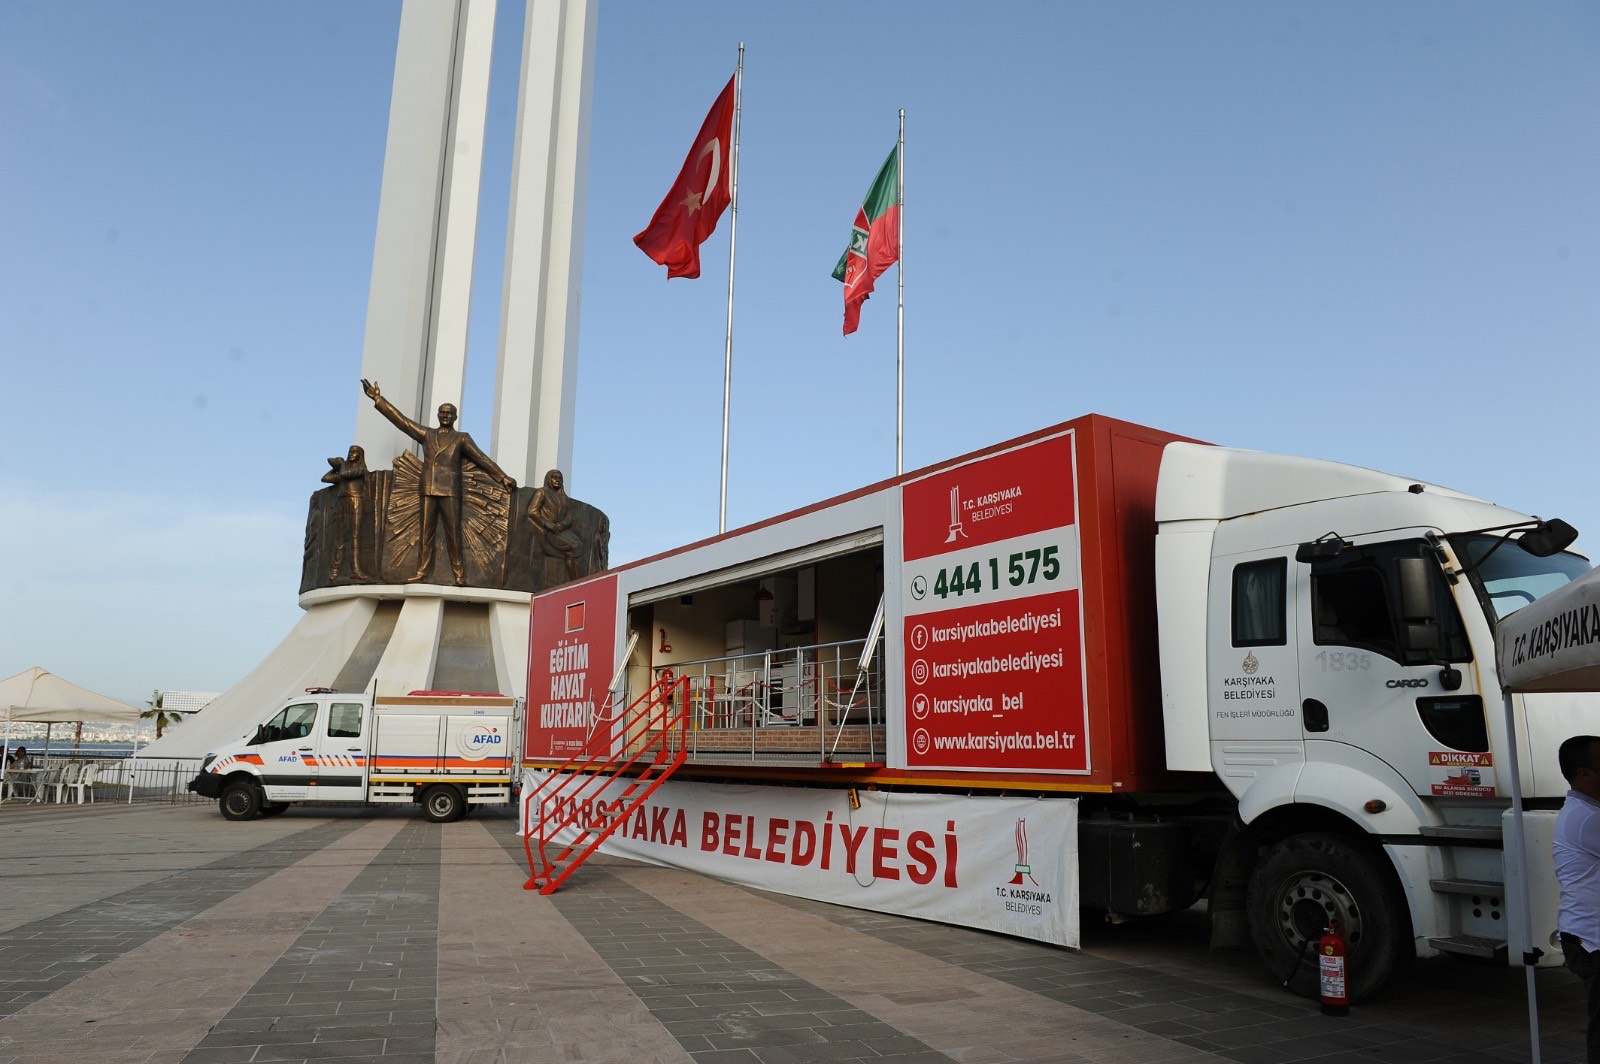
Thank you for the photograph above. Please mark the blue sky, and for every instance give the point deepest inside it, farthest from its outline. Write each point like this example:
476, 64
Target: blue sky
1361, 231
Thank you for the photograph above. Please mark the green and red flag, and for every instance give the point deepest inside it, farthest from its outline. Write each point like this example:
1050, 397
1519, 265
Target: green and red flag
703, 190
874, 241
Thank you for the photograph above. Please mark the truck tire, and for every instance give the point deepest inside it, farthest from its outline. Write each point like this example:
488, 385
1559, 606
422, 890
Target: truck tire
443, 803
240, 801
1307, 880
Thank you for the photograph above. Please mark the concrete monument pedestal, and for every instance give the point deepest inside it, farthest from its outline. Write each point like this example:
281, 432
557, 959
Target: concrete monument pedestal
399, 637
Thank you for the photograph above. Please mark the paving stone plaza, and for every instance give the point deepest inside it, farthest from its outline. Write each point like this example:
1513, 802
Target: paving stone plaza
166, 934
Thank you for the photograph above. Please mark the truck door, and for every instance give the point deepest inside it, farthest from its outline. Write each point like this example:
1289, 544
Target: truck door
1375, 677
341, 754
1253, 667
284, 743
478, 745
407, 745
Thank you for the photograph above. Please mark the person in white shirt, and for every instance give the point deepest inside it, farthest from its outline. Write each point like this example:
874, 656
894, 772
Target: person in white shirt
1577, 853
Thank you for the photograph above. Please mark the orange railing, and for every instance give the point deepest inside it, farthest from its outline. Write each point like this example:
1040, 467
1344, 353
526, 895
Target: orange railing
639, 745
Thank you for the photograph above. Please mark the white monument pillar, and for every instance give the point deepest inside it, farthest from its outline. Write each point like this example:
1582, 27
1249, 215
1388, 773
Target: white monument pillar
416, 339
398, 637
536, 383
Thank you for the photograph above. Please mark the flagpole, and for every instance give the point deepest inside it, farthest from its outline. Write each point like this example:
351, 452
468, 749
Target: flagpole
900, 310
733, 244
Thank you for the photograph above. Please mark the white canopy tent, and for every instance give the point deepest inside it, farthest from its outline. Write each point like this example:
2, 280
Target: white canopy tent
1552, 644
40, 697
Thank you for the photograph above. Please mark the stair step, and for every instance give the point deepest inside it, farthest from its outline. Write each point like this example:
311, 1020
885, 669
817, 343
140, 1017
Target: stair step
1474, 833
1469, 886
1471, 946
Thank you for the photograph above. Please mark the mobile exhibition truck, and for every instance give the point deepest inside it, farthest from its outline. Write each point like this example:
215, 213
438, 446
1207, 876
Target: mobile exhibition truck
1099, 669
445, 751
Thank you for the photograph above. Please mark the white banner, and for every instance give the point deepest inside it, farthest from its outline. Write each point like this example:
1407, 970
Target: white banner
997, 863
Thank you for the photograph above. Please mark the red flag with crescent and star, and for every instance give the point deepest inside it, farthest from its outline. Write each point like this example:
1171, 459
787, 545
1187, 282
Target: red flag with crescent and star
689, 213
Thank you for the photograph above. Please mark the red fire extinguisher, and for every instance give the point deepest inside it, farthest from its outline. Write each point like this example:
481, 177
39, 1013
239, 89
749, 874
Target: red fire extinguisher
1333, 972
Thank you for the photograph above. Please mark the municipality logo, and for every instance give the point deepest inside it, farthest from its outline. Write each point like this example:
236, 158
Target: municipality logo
1022, 867
1022, 896
956, 529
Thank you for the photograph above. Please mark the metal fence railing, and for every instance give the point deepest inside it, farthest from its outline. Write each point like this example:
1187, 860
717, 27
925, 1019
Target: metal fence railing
819, 692
79, 779
164, 779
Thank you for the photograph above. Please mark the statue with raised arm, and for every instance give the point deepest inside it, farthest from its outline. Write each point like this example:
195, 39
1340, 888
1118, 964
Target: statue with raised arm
443, 451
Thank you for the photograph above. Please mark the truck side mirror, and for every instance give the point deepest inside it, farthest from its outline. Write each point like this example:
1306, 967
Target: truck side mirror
1319, 550
1418, 611
1423, 638
1416, 590
1547, 538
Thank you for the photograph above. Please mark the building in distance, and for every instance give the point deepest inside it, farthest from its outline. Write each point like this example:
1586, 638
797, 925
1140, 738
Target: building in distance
185, 701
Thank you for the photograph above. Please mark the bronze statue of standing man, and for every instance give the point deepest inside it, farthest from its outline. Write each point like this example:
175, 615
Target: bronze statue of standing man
443, 450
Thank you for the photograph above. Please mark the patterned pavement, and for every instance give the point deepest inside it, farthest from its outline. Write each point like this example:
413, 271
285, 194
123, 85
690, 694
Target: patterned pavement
167, 934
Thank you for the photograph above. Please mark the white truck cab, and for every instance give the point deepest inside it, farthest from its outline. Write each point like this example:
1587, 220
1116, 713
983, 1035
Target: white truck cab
1328, 652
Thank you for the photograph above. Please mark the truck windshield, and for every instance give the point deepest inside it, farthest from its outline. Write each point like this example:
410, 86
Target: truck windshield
1511, 577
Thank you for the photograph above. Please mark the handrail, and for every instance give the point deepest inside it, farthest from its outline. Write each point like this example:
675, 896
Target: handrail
611, 767
584, 754
718, 658
662, 715
822, 686
565, 776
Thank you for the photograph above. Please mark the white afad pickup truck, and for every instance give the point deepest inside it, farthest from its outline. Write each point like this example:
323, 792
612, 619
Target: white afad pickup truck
446, 751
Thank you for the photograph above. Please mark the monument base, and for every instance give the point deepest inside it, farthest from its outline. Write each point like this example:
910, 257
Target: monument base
399, 637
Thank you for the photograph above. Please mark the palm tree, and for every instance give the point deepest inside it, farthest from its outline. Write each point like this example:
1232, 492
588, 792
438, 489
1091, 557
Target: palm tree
159, 715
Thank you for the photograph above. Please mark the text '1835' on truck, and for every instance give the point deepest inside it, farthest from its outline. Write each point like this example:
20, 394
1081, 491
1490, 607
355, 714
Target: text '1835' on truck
1098, 669
448, 752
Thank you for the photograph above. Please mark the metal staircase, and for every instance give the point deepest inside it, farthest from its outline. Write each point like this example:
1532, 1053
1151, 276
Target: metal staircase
644, 745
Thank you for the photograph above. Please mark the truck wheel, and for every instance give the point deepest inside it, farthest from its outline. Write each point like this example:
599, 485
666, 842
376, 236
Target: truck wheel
1308, 880
443, 803
240, 801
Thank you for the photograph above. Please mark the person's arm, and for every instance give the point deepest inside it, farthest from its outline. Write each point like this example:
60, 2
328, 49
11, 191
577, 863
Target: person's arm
475, 454
389, 410
1589, 834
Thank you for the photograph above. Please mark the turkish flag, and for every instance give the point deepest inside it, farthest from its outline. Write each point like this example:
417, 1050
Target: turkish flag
703, 190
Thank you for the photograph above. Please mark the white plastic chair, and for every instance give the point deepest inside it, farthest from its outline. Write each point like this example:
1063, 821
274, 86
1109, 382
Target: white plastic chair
745, 703
85, 782
63, 782
33, 785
